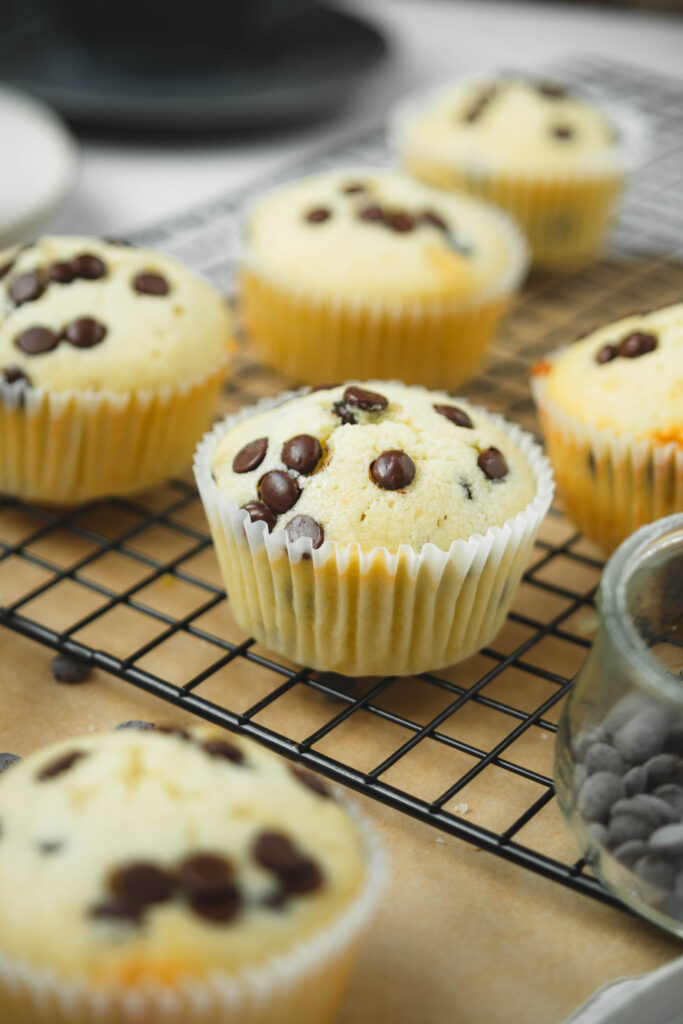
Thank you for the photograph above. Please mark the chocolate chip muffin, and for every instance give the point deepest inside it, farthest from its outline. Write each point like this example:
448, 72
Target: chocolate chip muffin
111, 358
611, 408
365, 272
194, 876
547, 156
371, 528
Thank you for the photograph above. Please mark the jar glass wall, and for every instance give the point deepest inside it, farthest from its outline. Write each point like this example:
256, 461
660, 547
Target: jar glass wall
619, 753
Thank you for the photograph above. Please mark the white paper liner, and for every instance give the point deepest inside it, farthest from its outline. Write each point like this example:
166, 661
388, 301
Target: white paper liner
612, 483
73, 445
301, 986
338, 608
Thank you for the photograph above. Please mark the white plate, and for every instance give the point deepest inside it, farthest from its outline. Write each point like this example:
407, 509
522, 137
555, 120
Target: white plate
37, 168
653, 998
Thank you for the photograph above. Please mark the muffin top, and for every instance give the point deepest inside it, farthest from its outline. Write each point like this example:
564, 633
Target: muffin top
82, 313
369, 233
509, 122
376, 464
180, 851
626, 377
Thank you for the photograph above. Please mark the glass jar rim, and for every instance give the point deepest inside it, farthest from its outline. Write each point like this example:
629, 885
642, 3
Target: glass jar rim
614, 613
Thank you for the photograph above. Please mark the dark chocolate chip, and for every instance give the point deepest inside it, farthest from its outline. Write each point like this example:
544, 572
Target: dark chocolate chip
457, 416
62, 273
373, 214
113, 909
251, 456
368, 401
141, 884
563, 132
260, 513
637, 344
318, 215
393, 470
466, 488
353, 189
400, 221
302, 453
219, 910
310, 780
67, 669
204, 875
279, 490
305, 526
477, 108
429, 217
173, 730
7, 760
344, 413
606, 354
551, 90
50, 846
5, 269
135, 724
36, 340
298, 874
222, 748
492, 463
27, 287
151, 284
11, 374
85, 333
60, 765
88, 266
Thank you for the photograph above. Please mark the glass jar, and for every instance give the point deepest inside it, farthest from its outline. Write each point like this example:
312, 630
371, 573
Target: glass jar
619, 753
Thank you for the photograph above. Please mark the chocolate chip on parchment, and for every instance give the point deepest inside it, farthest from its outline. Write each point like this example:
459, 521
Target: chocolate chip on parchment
60, 765
260, 513
492, 464
305, 526
606, 354
251, 456
637, 344
67, 669
27, 287
279, 490
36, 340
456, 415
302, 453
319, 215
88, 266
151, 284
393, 470
368, 401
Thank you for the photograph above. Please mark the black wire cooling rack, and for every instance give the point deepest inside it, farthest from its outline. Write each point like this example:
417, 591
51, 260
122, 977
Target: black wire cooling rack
131, 585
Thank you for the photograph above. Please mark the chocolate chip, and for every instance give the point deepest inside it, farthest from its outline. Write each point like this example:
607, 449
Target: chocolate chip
11, 374
135, 724
344, 413
67, 669
368, 401
606, 354
113, 909
310, 780
88, 266
36, 340
477, 108
85, 333
207, 881
50, 846
324, 387
279, 490
60, 765
551, 90
62, 273
429, 217
373, 214
455, 415
400, 221
141, 884
393, 470
298, 874
318, 215
492, 464
4, 270
218, 910
27, 287
221, 748
260, 513
7, 760
466, 488
563, 132
251, 456
305, 526
173, 730
302, 453
354, 189
151, 284
637, 344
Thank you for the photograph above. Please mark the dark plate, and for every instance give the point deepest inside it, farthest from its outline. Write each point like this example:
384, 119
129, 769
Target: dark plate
300, 70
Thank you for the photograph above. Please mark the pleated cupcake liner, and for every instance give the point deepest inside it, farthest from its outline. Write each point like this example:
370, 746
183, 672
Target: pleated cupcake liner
339, 608
611, 483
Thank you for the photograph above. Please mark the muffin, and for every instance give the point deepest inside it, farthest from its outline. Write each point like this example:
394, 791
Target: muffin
611, 409
366, 273
111, 360
176, 876
371, 528
551, 159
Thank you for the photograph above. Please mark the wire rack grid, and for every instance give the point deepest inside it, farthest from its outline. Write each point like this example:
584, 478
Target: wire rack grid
131, 585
